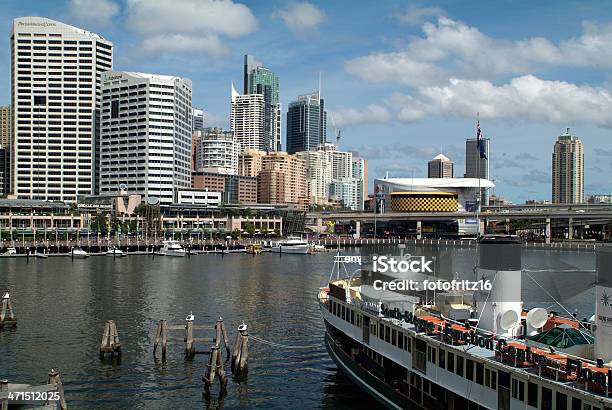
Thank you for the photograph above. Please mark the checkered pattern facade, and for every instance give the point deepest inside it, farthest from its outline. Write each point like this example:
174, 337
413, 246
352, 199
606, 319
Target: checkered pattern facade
424, 202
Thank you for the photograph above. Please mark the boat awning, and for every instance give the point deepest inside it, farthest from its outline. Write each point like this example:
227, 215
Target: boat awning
563, 337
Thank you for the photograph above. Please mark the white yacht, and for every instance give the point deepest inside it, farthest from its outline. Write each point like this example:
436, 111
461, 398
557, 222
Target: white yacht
172, 248
10, 251
77, 252
291, 245
114, 251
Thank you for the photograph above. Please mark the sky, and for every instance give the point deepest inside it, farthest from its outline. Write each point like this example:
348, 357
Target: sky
402, 80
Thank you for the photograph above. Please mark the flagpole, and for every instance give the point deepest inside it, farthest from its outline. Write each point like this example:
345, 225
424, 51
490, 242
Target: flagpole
479, 195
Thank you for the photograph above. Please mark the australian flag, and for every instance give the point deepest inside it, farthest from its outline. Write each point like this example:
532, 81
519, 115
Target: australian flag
481, 142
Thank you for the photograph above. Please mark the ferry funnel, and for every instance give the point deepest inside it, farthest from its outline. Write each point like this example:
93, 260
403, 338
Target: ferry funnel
603, 305
500, 263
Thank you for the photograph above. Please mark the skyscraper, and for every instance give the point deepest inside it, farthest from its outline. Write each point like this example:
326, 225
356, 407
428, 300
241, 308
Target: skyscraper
217, 151
440, 167
360, 173
153, 155
5, 126
247, 120
282, 180
568, 170
318, 175
198, 119
56, 71
262, 80
306, 123
475, 165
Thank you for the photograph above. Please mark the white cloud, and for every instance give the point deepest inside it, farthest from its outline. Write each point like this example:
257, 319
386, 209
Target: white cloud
209, 44
300, 17
414, 15
454, 47
525, 97
370, 114
95, 12
187, 25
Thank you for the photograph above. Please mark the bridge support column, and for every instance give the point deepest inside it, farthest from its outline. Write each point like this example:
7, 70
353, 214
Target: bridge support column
570, 230
419, 230
507, 226
357, 229
547, 230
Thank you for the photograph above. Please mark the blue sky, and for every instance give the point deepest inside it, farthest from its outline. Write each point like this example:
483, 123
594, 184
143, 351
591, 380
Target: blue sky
403, 80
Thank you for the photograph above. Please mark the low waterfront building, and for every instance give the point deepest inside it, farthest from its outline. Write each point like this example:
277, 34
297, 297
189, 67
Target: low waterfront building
432, 195
199, 197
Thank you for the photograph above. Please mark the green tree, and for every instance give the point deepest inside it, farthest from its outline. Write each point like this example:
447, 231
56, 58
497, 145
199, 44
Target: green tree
249, 227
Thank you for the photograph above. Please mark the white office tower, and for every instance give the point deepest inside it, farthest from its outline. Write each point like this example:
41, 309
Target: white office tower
318, 175
55, 83
217, 151
500, 262
603, 305
247, 120
146, 134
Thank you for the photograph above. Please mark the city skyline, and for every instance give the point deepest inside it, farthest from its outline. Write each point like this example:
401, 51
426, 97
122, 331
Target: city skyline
388, 108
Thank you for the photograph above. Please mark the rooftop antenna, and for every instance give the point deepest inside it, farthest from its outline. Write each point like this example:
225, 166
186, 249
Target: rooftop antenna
319, 85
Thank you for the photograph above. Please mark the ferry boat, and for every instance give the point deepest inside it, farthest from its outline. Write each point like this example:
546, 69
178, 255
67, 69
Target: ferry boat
10, 251
292, 244
172, 248
467, 352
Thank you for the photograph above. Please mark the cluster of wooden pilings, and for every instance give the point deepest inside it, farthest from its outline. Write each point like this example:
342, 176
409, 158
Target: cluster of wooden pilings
7, 316
215, 367
110, 341
54, 384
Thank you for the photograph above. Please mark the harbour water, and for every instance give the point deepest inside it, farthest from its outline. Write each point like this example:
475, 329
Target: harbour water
62, 305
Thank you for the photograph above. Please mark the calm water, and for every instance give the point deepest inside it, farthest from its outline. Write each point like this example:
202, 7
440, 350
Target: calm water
62, 305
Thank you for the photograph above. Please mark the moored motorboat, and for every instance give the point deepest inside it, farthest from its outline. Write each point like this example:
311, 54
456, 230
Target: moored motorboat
172, 248
115, 252
292, 245
78, 252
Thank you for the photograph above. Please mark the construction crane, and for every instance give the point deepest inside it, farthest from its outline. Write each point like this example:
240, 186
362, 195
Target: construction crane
337, 131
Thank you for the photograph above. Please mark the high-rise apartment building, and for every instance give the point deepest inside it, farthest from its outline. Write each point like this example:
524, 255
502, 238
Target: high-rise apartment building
145, 134
318, 175
440, 167
568, 170
55, 81
250, 162
345, 192
5, 126
475, 165
282, 180
217, 151
235, 189
261, 80
360, 173
247, 120
198, 119
306, 123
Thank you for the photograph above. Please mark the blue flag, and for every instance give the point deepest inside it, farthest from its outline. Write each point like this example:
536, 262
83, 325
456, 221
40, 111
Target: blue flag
481, 142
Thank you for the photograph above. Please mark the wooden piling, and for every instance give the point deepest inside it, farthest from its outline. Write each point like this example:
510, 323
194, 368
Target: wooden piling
240, 356
220, 332
189, 342
211, 368
4, 388
110, 340
54, 378
162, 336
7, 316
